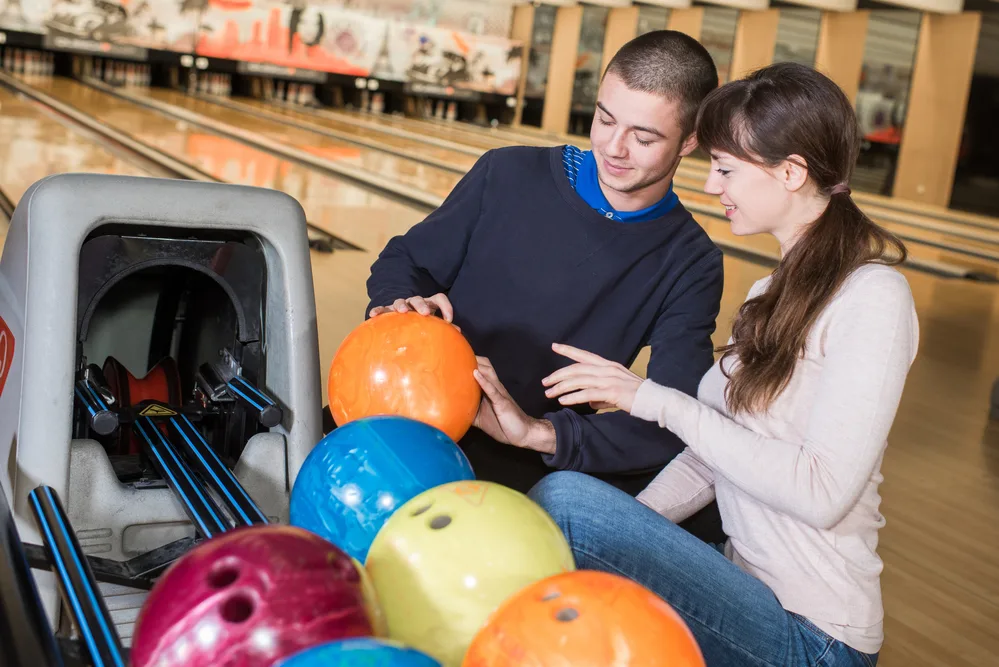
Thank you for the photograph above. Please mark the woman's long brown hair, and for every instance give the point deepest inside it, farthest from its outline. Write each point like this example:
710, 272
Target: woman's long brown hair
781, 111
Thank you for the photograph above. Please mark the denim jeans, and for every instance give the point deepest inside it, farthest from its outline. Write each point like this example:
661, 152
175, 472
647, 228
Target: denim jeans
735, 618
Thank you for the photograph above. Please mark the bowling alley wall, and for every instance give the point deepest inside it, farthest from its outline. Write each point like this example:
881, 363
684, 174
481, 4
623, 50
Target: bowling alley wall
461, 44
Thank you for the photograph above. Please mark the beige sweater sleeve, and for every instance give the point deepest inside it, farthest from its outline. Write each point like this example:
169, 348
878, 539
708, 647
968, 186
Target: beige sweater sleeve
684, 486
870, 343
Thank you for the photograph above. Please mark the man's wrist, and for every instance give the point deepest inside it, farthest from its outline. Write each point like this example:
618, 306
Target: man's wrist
541, 437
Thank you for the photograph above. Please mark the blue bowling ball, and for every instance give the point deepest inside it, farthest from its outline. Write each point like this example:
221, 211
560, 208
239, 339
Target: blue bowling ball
357, 651
357, 476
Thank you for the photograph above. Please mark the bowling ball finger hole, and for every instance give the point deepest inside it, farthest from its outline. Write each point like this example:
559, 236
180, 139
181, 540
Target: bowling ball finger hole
223, 576
550, 596
567, 614
440, 521
237, 609
421, 510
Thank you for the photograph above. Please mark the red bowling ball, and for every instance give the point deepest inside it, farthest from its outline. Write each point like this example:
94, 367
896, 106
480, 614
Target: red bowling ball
250, 597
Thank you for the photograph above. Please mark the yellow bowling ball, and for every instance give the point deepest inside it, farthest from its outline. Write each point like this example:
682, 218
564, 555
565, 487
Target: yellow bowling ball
450, 556
371, 601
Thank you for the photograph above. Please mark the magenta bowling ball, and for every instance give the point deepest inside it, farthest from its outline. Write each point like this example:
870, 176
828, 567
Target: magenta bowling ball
249, 597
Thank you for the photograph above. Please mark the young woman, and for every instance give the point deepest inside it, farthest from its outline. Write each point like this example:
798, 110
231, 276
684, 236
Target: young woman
789, 426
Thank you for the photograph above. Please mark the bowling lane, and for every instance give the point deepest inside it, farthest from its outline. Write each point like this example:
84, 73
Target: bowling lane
349, 211
923, 236
34, 144
482, 139
877, 206
375, 133
408, 172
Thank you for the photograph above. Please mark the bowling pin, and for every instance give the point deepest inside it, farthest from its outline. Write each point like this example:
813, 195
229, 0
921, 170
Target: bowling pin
452, 110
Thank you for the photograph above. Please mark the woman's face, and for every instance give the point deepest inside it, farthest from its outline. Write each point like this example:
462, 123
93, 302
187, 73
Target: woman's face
756, 199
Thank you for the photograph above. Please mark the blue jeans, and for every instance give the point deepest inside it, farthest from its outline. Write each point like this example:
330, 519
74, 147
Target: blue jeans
736, 618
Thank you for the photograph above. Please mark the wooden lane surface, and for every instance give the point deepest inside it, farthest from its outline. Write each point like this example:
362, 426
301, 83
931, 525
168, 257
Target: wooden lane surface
980, 249
34, 145
375, 133
480, 137
536, 136
417, 175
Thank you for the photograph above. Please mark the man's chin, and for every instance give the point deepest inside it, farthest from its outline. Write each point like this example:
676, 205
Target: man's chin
622, 185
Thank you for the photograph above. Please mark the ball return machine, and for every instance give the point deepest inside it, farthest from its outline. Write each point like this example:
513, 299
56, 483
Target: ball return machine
159, 384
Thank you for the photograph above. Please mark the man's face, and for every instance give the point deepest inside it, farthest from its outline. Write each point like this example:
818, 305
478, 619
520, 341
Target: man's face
636, 137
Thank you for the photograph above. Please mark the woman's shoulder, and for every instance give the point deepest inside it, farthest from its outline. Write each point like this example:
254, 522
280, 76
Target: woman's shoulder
873, 283
873, 297
876, 282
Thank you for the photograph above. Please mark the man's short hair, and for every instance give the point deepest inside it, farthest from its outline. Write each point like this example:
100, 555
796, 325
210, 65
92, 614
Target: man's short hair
670, 64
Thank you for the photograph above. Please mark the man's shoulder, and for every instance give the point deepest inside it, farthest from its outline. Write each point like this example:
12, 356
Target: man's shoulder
521, 157
697, 245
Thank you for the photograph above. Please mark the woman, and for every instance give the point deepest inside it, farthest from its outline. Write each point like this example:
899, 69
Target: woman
790, 425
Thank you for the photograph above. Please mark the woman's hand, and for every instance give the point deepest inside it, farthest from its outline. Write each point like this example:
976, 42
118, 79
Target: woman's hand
601, 383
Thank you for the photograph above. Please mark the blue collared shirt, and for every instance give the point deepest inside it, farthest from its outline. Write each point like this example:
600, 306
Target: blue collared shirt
581, 170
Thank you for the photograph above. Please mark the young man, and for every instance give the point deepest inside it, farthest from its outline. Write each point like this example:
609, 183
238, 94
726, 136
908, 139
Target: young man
542, 245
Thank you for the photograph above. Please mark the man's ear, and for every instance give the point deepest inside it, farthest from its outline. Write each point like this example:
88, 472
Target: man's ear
688, 145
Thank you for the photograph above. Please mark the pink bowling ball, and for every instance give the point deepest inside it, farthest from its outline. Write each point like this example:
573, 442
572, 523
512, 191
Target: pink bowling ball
250, 597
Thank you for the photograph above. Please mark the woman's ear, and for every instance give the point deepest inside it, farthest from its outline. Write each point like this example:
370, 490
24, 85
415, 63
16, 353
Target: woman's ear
794, 172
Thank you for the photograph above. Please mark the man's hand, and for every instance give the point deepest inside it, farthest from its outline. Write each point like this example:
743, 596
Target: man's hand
423, 306
503, 420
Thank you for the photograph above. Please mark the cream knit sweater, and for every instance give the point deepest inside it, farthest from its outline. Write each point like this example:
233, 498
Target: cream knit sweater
798, 487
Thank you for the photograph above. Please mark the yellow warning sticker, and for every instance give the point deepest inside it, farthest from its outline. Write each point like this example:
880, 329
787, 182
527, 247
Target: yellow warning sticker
157, 411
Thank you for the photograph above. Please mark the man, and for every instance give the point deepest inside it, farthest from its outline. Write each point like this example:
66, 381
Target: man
542, 245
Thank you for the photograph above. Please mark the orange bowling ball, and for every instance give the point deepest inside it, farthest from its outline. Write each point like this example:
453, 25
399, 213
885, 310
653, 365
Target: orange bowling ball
409, 365
584, 619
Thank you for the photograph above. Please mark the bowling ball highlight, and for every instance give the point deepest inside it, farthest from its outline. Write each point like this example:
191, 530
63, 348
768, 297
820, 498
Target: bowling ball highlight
358, 652
249, 597
451, 555
359, 474
409, 365
584, 619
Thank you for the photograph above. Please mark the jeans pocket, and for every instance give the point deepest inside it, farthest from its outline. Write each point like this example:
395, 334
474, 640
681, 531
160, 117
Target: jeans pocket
819, 633
829, 651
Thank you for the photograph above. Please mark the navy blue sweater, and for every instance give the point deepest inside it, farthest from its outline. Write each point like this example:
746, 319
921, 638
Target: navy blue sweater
525, 263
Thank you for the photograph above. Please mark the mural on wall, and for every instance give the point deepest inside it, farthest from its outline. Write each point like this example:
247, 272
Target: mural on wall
24, 15
157, 24
299, 36
450, 58
477, 17
416, 41
348, 41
